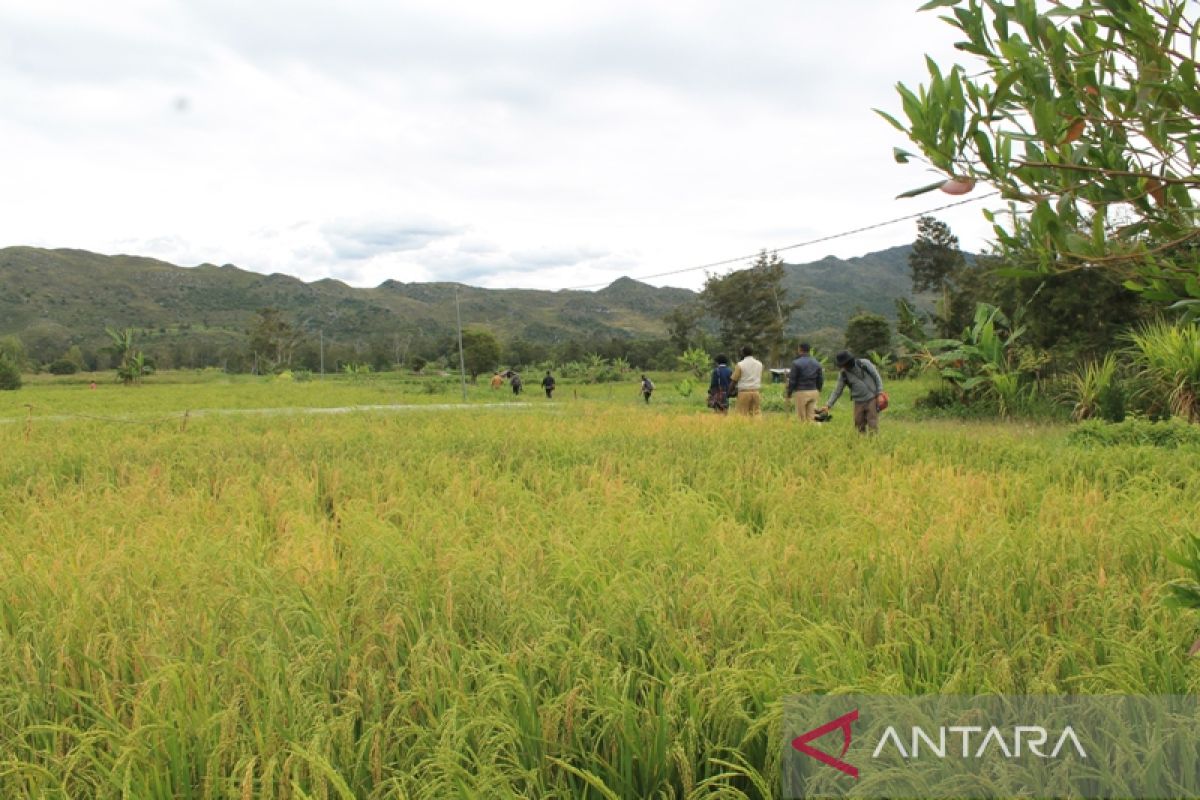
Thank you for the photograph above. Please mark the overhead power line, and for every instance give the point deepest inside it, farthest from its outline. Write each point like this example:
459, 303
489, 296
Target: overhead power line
808, 243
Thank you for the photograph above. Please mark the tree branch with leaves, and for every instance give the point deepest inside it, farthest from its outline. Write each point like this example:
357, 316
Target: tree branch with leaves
1085, 119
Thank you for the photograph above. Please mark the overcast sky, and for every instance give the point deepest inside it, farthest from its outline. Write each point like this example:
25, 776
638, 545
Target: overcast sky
501, 144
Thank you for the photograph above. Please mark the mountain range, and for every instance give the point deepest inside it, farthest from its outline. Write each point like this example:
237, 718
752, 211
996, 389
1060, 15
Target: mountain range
53, 299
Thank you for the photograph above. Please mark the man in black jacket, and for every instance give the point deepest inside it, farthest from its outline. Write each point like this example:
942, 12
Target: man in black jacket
805, 382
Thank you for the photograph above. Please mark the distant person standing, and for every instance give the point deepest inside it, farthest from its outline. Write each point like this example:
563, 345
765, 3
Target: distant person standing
865, 387
719, 386
747, 376
647, 388
497, 381
515, 383
548, 385
805, 381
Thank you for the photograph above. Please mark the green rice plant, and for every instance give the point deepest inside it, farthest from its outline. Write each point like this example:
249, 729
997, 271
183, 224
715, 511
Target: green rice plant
1185, 592
591, 598
1169, 433
1168, 357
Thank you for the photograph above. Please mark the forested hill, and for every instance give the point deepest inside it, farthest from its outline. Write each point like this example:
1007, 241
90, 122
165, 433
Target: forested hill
55, 298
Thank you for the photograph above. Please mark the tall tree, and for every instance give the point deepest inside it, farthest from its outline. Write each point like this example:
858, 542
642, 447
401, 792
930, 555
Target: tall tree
1083, 115
938, 266
751, 306
683, 325
867, 333
481, 352
272, 341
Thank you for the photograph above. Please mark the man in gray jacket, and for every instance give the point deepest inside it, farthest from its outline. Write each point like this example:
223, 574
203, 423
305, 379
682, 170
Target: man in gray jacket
805, 382
865, 387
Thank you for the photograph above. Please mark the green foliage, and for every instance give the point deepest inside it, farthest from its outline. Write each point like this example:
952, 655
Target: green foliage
62, 366
272, 341
1084, 387
132, 363
1113, 403
1168, 357
867, 333
10, 375
417, 363
12, 350
1084, 117
356, 369
986, 364
751, 307
683, 326
685, 387
943, 397
1078, 315
935, 257
908, 321
1135, 431
481, 352
939, 266
695, 361
1185, 592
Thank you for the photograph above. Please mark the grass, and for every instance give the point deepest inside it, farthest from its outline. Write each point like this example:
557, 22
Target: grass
590, 598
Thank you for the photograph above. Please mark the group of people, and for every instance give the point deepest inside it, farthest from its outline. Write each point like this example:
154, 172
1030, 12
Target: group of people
742, 384
514, 380
806, 379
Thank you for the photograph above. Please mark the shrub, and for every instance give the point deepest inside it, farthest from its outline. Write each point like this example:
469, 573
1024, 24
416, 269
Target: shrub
1112, 403
63, 366
1084, 387
1169, 359
10, 376
940, 398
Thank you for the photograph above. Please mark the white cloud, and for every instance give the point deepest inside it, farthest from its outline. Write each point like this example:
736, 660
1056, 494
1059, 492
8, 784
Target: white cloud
526, 144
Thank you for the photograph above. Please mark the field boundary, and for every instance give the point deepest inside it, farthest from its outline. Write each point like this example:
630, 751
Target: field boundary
268, 411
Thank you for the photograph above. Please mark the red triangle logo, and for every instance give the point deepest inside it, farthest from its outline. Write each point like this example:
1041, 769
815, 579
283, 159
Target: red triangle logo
843, 724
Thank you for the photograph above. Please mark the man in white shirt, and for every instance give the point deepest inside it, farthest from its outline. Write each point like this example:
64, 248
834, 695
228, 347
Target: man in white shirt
748, 377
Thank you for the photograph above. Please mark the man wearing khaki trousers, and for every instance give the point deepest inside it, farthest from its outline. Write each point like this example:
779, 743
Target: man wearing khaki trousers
805, 382
748, 377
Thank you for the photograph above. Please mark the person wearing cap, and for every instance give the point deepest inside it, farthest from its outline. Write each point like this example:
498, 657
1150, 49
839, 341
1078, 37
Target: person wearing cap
865, 387
748, 377
805, 381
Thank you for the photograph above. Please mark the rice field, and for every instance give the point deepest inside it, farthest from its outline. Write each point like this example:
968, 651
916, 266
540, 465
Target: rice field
585, 598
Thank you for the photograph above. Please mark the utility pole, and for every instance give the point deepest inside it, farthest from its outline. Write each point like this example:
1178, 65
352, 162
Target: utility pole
462, 369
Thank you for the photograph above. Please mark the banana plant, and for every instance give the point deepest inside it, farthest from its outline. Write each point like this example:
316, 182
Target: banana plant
984, 363
132, 364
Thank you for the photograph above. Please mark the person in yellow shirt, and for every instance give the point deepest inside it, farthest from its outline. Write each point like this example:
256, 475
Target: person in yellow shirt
747, 375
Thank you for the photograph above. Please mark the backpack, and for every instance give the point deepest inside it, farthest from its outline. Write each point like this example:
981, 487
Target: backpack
647, 385
883, 401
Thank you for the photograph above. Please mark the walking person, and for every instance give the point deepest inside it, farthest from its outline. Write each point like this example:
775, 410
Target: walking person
747, 376
497, 381
720, 385
647, 388
515, 383
548, 385
805, 381
865, 388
